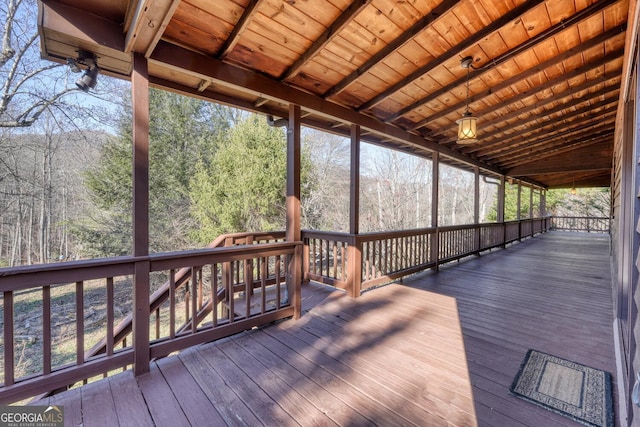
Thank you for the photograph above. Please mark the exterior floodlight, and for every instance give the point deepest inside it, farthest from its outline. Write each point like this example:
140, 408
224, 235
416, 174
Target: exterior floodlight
89, 79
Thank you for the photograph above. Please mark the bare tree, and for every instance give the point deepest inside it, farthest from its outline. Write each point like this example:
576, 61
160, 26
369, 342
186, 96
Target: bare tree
30, 85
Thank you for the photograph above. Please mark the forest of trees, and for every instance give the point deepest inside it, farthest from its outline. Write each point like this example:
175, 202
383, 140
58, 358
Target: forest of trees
65, 169
216, 170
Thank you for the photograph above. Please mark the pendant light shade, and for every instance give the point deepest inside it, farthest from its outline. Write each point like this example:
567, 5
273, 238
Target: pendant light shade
467, 125
467, 129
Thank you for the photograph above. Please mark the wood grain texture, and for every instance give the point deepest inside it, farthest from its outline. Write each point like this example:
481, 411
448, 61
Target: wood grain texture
439, 349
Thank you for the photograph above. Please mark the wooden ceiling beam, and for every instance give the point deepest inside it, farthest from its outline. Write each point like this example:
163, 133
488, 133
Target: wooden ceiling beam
238, 29
590, 97
546, 156
508, 158
396, 44
172, 57
147, 20
585, 158
453, 52
582, 47
611, 56
554, 139
325, 38
543, 128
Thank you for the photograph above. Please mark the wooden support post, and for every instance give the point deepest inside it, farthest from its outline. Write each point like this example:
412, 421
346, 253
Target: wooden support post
530, 202
476, 207
293, 232
354, 251
435, 238
518, 216
140, 99
501, 196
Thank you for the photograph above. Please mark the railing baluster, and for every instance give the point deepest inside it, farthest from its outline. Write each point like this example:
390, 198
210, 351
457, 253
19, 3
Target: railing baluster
231, 292
46, 330
277, 268
187, 300
172, 303
110, 316
79, 322
194, 300
248, 287
157, 314
263, 284
214, 294
8, 338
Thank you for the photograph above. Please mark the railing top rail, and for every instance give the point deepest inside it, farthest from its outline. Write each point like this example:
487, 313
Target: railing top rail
198, 257
334, 235
258, 235
24, 277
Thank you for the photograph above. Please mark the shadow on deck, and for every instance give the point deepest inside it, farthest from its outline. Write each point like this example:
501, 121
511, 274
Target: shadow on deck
440, 349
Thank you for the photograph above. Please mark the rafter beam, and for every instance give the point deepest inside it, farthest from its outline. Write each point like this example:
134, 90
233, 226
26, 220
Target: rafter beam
540, 146
558, 138
580, 103
208, 68
604, 138
147, 20
329, 33
584, 158
238, 29
396, 44
530, 131
582, 47
453, 52
611, 56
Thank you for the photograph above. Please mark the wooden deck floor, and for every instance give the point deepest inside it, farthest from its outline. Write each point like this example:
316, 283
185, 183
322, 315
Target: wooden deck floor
440, 349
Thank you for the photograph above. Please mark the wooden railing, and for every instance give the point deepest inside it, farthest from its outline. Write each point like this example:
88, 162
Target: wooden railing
242, 280
359, 262
212, 293
581, 223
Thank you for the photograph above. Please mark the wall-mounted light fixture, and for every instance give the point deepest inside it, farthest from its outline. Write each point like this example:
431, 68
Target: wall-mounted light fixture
89, 79
467, 125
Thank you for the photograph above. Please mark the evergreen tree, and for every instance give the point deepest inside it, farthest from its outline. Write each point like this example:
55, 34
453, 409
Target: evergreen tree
244, 187
182, 133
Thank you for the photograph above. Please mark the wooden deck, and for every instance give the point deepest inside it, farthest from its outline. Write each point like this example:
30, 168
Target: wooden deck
440, 349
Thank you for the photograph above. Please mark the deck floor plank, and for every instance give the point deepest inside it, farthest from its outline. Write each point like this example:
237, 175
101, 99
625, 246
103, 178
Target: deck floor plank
294, 403
128, 399
98, 407
266, 408
161, 402
234, 411
267, 350
194, 403
440, 348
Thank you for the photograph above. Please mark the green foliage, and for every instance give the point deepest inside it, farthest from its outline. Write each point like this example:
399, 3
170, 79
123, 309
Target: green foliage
243, 189
560, 202
182, 132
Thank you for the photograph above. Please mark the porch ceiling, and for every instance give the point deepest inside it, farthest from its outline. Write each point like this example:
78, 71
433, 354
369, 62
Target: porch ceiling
545, 83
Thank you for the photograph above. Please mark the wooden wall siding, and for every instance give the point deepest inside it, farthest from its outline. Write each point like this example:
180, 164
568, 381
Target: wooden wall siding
546, 83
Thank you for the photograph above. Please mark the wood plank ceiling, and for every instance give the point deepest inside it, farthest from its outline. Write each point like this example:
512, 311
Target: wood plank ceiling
545, 79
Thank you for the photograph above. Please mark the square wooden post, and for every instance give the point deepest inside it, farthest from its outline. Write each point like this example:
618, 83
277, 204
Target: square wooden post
476, 207
501, 196
140, 99
435, 237
354, 251
293, 233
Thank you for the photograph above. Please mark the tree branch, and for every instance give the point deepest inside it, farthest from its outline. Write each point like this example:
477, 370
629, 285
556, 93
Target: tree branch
8, 51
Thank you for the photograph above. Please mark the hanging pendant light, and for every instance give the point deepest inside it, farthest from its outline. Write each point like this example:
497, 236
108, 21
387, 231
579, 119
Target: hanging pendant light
467, 125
